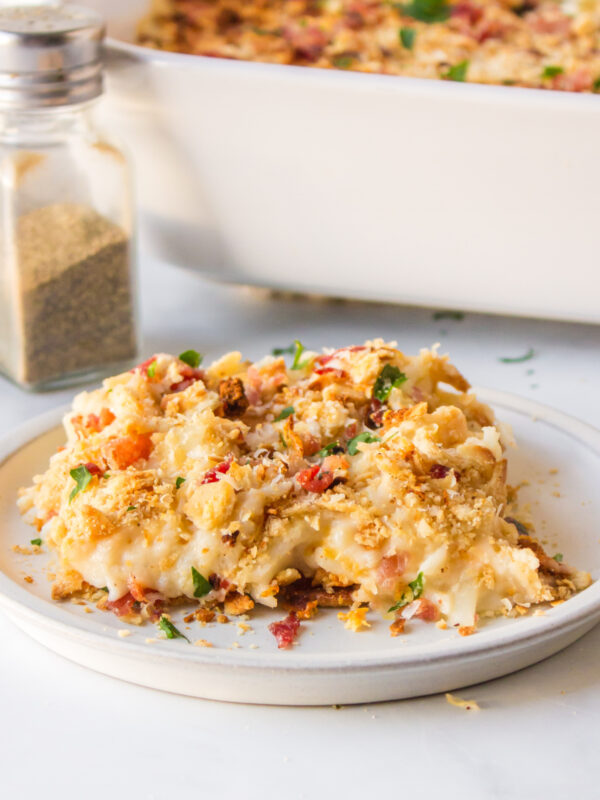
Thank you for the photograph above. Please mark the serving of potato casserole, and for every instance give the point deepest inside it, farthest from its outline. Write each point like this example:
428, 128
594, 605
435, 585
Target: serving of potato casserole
546, 44
359, 478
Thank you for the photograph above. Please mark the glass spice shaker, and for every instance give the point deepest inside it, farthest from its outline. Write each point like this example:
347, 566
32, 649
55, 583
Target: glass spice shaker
67, 287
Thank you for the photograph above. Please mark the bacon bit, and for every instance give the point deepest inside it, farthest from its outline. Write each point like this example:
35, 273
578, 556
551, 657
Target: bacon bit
467, 630
254, 387
126, 450
212, 475
310, 445
579, 81
123, 606
189, 375
467, 10
468, 705
286, 630
93, 469
354, 20
391, 568
335, 373
417, 394
315, 479
308, 42
230, 538
439, 471
300, 594
325, 359
350, 431
374, 413
550, 20
397, 627
428, 611
355, 619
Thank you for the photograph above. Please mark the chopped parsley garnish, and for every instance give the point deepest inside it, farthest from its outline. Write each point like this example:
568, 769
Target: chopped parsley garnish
365, 436
284, 351
425, 10
414, 591
297, 355
407, 37
457, 72
518, 525
457, 315
518, 359
131, 508
82, 476
342, 61
596, 85
330, 449
151, 371
104, 588
283, 441
170, 630
552, 71
191, 357
388, 378
36, 541
287, 412
201, 585
179, 481
558, 557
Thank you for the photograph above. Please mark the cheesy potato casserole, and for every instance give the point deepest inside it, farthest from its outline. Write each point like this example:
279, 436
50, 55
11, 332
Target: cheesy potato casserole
545, 44
359, 478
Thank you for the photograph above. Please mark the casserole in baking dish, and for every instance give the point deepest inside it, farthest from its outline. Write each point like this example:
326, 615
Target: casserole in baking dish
369, 186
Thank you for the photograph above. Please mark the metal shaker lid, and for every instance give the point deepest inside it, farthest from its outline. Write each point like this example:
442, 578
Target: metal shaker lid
49, 55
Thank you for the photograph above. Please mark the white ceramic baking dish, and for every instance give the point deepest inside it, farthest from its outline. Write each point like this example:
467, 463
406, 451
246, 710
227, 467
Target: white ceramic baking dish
385, 188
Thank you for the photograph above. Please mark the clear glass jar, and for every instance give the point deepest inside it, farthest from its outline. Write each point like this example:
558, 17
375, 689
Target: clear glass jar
67, 293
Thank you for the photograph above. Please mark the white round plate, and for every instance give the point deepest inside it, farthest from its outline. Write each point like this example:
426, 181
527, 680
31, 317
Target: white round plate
329, 664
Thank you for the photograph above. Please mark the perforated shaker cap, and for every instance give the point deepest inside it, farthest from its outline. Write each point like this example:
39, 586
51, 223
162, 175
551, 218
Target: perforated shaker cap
49, 55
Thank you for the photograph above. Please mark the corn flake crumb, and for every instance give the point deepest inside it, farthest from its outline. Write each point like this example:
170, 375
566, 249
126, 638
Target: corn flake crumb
355, 619
203, 643
123, 633
468, 705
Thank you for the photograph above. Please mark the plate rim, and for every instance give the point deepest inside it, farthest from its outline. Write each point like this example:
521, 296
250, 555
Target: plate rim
576, 612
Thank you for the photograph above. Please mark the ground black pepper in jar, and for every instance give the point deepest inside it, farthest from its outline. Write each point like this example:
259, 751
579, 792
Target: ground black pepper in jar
67, 301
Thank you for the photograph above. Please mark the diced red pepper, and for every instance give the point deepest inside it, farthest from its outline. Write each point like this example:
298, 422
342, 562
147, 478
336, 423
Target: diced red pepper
143, 367
315, 479
212, 475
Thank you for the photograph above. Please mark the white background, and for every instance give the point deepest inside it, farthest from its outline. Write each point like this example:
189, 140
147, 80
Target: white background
66, 732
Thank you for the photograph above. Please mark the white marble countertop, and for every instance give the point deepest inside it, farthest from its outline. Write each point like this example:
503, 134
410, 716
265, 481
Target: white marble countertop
68, 732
